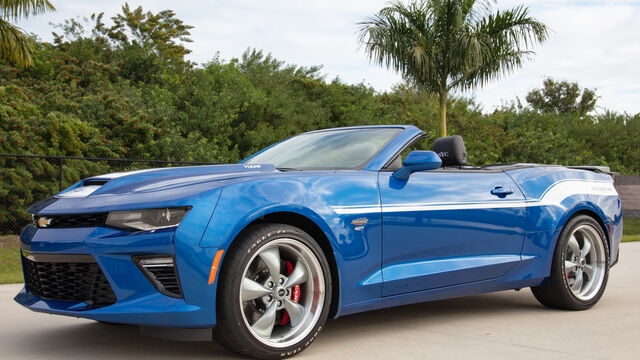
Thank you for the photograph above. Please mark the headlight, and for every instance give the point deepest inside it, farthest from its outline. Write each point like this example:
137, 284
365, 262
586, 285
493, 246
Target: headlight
149, 219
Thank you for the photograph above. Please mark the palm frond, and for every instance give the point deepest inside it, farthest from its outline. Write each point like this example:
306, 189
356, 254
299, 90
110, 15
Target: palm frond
402, 38
15, 45
514, 26
16, 9
440, 45
501, 64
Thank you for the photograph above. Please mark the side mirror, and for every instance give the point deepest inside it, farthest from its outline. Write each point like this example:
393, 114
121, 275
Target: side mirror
418, 161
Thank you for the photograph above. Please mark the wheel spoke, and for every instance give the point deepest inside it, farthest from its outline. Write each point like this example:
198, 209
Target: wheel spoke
271, 258
268, 291
297, 276
569, 266
295, 310
264, 325
574, 246
586, 248
252, 290
577, 284
588, 269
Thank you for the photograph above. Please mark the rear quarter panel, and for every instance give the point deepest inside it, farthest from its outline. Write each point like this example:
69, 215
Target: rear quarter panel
555, 194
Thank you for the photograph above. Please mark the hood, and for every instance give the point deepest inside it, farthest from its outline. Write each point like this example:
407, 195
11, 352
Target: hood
144, 188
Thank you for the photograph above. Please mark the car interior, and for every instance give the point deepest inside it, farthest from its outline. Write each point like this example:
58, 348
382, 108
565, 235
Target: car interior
453, 153
450, 149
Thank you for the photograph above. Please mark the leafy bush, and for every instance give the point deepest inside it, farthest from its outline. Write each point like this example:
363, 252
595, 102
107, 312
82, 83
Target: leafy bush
125, 91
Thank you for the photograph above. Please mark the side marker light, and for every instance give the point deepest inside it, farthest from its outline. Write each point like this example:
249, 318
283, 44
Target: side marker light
214, 267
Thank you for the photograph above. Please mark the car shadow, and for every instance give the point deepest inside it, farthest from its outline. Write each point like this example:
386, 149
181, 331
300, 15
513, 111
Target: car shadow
431, 314
95, 340
103, 340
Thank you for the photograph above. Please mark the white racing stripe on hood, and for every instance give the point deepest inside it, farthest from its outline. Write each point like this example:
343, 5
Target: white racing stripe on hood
194, 179
127, 173
554, 195
79, 192
84, 191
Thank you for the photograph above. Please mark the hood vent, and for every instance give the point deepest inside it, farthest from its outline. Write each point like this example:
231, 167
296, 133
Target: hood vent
87, 188
95, 182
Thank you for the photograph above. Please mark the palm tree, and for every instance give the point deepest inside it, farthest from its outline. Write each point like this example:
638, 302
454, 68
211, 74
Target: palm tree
440, 45
15, 45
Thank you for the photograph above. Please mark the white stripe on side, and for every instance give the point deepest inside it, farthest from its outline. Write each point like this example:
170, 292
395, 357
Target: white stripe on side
554, 195
436, 207
347, 210
560, 190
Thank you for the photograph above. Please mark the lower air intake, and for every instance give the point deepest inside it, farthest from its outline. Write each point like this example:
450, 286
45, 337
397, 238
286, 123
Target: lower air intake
161, 272
75, 278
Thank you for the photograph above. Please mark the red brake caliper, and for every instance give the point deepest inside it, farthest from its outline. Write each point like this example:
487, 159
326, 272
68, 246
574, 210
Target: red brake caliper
295, 294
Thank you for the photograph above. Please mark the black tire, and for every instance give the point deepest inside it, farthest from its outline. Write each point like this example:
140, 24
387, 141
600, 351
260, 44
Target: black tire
556, 291
232, 330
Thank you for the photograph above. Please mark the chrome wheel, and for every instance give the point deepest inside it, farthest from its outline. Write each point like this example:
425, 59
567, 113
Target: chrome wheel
584, 262
282, 293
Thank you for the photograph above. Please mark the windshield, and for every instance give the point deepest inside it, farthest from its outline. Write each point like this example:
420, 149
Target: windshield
335, 149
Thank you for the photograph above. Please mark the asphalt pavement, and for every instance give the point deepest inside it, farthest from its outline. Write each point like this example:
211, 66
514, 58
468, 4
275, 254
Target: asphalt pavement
503, 325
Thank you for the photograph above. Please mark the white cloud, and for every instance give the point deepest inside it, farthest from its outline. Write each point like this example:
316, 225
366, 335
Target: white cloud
593, 42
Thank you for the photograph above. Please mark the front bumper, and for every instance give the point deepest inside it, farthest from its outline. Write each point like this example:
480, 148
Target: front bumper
138, 301
153, 309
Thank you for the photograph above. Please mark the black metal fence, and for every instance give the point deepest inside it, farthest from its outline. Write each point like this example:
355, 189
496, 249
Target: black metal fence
25, 179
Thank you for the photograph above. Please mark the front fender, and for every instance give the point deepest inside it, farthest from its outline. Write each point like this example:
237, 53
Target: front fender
356, 249
220, 232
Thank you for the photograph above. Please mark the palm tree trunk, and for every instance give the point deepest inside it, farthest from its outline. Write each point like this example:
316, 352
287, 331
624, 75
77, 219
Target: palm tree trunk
443, 113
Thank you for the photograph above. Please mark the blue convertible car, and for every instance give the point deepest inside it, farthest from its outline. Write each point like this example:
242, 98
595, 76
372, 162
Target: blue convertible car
324, 224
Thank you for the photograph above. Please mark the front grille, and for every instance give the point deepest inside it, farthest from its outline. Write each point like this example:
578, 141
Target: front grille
73, 220
75, 278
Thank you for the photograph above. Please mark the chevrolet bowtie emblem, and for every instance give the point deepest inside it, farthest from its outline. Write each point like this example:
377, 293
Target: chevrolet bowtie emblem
44, 222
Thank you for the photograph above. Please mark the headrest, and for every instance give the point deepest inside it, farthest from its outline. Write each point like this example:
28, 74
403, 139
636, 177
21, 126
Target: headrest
451, 150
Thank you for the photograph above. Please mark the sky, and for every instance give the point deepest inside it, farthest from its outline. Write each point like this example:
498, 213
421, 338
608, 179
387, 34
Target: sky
595, 43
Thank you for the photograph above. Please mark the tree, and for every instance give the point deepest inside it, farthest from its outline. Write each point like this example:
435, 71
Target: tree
15, 45
562, 98
441, 45
151, 44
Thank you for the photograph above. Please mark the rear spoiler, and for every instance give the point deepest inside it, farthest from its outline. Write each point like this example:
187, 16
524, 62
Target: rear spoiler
599, 169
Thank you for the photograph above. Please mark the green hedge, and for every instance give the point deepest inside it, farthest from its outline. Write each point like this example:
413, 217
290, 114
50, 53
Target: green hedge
126, 91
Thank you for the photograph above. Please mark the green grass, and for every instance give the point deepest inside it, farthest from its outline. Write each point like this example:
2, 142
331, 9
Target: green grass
10, 265
631, 230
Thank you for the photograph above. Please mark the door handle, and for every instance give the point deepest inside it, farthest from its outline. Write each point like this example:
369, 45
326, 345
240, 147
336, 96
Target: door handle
501, 191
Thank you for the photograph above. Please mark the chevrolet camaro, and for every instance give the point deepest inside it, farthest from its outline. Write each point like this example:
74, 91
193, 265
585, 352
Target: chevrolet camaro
327, 223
